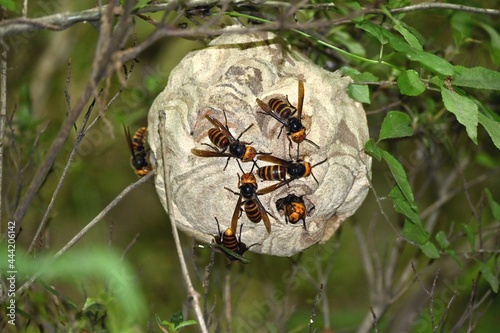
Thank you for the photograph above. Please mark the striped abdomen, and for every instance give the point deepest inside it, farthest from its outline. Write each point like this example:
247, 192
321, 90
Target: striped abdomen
272, 172
139, 139
281, 107
253, 211
218, 138
229, 240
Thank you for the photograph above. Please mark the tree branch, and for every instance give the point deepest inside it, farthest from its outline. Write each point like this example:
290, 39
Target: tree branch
62, 21
102, 68
90, 225
193, 295
3, 118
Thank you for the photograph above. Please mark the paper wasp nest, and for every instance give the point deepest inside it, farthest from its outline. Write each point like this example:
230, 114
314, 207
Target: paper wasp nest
229, 75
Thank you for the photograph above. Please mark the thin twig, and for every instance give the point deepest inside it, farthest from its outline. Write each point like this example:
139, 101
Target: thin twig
446, 311
89, 226
193, 295
72, 156
206, 283
129, 246
448, 196
440, 5
313, 311
102, 69
3, 119
365, 255
62, 21
375, 320
67, 95
431, 301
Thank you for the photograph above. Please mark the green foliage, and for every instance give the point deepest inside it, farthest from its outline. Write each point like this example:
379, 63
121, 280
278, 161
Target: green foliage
464, 109
176, 322
470, 235
359, 92
476, 77
119, 305
409, 83
426, 87
489, 276
231, 255
402, 197
396, 125
430, 61
140, 3
492, 127
8, 4
445, 245
494, 206
25, 120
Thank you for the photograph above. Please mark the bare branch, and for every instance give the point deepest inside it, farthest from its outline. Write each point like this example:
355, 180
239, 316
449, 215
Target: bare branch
375, 320
206, 283
313, 311
63, 176
129, 246
440, 5
193, 295
90, 225
102, 69
62, 21
3, 119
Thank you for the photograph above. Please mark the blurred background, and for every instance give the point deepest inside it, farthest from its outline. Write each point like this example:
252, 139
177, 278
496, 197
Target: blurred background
366, 265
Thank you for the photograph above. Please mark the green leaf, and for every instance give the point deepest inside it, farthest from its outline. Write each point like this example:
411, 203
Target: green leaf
376, 31
431, 62
492, 127
359, 92
409, 83
141, 4
476, 77
489, 276
396, 124
495, 207
438, 82
373, 150
8, 4
402, 206
347, 40
428, 60
231, 255
412, 228
430, 250
487, 160
494, 44
464, 109
399, 175
165, 326
452, 253
187, 323
125, 308
408, 36
177, 318
462, 26
415, 232
470, 235
442, 240
398, 3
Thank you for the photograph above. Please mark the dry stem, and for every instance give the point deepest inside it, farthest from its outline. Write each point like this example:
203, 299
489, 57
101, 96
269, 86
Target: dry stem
193, 295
